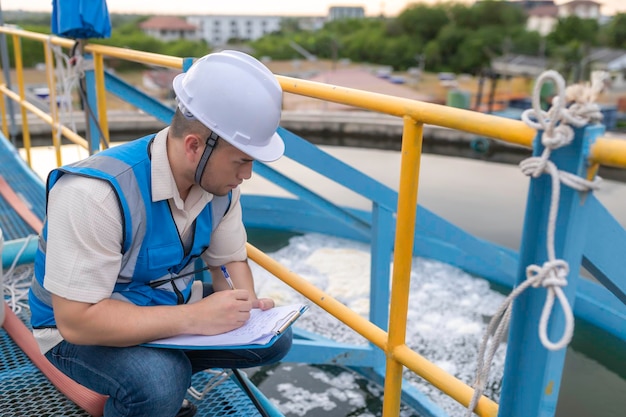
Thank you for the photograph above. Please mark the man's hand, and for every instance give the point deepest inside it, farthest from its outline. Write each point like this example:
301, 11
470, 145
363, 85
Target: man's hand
222, 311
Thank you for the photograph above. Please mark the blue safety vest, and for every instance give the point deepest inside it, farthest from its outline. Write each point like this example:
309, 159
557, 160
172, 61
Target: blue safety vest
157, 267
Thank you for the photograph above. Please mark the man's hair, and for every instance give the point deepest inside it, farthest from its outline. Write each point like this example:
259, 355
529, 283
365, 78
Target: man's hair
182, 126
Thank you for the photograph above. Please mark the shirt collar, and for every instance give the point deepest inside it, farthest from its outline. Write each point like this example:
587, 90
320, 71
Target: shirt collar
163, 184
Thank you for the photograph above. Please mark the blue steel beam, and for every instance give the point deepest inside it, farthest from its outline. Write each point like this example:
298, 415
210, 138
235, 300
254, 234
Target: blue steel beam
142, 101
309, 155
91, 108
411, 396
383, 228
604, 250
532, 373
331, 353
360, 226
309, 347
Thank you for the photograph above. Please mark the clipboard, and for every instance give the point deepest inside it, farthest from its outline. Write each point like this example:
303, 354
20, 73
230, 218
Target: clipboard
274, 323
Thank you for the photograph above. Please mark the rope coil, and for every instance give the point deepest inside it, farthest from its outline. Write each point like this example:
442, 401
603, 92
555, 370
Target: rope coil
552, 275
17, 282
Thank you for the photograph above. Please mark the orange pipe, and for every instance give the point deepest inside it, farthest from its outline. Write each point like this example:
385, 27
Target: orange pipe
88, 400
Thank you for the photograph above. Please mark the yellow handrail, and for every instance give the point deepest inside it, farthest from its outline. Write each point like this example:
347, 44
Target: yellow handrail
52, 91
605, 151
508, 130
67, 132
412, 137
402, 354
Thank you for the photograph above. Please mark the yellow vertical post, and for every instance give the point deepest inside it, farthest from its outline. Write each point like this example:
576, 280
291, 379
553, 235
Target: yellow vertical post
3, 110
19, 72
101, 97
3, 114
402, 258
54, 111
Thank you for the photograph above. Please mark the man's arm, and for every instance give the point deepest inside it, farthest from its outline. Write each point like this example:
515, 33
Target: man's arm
117, 323
83, 261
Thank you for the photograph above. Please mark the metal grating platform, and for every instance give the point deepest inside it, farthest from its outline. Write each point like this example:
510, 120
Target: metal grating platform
26, 185
25, 391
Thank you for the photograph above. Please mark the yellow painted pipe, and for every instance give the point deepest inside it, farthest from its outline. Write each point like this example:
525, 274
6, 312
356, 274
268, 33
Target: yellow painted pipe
136, 56
403, 254
68, 133
110, 51
508, 130
402, 353
606, 151
101, 97
363, 326
3, 116
443, 381
52, 91
56, 40
609, 151
19, 75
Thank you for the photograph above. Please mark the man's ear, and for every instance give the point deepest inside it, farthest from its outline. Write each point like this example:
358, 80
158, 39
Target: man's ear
193, 146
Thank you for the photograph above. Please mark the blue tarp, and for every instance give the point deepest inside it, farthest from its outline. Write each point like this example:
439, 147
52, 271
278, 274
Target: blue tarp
81, 19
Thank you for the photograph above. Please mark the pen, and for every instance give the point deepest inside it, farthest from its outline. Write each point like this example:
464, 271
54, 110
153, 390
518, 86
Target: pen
227, 277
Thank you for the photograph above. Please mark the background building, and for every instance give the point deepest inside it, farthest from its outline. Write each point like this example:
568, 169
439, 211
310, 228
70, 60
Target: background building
169, 28
346, 12
218, 30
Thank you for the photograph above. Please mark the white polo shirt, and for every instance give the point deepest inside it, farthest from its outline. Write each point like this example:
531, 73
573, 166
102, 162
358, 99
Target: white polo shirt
84, 245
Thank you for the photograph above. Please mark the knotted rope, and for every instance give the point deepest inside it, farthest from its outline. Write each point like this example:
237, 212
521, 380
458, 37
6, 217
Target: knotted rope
552, 275
68, 70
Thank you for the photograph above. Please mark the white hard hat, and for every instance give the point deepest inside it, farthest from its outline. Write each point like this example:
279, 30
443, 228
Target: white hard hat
238, 98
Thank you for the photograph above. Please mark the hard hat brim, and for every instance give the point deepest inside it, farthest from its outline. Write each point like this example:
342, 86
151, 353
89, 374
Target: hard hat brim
268, 153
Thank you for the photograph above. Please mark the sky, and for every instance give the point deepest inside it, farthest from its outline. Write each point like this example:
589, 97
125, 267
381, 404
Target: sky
256, 7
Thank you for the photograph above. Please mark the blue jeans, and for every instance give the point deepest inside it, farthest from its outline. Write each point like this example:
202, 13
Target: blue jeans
145, 381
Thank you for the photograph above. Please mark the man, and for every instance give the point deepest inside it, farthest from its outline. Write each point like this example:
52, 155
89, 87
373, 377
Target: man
124, 227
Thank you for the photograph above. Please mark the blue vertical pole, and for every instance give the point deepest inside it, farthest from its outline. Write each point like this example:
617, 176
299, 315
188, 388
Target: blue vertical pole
91, 117
532, 373
187, 63
383, 227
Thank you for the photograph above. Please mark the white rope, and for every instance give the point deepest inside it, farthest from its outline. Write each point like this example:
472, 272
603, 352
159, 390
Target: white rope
69, 71
552, 275
17, 281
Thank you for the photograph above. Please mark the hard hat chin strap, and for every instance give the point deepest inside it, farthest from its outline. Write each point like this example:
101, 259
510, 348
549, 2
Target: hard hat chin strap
210, 145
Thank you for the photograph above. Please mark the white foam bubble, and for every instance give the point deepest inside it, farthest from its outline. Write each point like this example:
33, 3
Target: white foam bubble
448, 314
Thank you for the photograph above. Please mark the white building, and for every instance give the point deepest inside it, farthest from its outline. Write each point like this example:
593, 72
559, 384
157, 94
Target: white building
585, 9
544, 18
346, 12
169, 28
218, 30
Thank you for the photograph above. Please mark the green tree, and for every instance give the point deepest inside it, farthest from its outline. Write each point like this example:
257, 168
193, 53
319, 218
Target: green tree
614, 33
422, 21
525, 42
475, 52
32, 51
186, 48
449, 39
497, 13
573, 28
